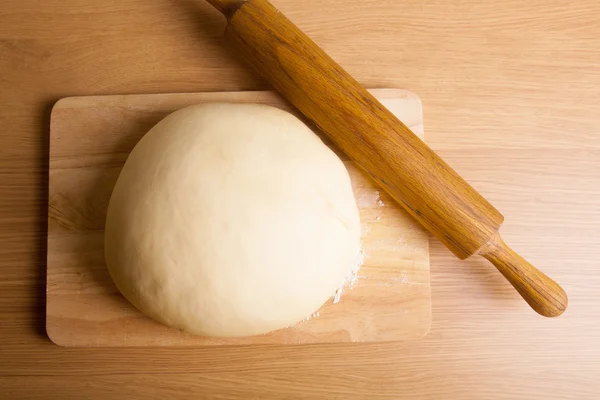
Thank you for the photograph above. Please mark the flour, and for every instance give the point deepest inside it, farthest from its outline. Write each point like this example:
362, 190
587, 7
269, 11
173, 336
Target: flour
378, 200
352, 277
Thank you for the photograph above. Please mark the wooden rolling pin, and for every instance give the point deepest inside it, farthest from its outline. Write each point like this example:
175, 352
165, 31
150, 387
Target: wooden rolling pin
413, 174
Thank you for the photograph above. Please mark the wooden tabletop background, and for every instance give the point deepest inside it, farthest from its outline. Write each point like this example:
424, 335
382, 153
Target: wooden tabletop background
511, 93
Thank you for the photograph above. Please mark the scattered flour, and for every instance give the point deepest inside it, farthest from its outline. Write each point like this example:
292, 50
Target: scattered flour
337, 295
365, 230
352, 277
316, 314
378, 200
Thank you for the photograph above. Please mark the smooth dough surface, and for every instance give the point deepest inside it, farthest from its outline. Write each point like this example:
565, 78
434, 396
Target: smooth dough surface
231, 220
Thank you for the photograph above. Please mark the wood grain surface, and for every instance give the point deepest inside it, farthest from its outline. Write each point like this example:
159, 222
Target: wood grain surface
519, 85
90, 139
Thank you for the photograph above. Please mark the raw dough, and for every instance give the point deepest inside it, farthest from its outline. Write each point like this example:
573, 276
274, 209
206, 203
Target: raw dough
231, 220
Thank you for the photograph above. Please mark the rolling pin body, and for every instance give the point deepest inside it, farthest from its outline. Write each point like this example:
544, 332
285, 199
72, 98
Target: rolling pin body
405, 167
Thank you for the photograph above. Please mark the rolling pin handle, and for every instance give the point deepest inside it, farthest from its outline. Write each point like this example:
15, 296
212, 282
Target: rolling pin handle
544, 295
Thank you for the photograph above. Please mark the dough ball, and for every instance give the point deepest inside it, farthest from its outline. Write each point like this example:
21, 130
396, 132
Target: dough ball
231, 220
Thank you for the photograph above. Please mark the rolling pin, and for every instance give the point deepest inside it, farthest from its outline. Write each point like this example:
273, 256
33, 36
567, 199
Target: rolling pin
403, 165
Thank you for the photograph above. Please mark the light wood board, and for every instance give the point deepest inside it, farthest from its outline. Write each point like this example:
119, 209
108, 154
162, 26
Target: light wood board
90, 140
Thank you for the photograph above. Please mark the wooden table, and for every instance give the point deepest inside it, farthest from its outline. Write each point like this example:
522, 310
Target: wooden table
519, 81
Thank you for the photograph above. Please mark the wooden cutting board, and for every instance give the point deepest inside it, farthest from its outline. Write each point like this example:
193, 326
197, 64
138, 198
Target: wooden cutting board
90, 139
